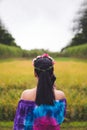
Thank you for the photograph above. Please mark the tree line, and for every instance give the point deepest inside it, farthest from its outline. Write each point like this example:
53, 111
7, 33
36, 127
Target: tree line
80, 27
6, 37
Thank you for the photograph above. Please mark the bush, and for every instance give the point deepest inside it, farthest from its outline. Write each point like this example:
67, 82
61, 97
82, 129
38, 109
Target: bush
8, 51
76, 51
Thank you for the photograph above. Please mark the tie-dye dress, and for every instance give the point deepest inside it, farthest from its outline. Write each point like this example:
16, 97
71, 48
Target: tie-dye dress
29, 116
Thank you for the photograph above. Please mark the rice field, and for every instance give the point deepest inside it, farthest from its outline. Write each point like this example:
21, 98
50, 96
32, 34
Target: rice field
17, 75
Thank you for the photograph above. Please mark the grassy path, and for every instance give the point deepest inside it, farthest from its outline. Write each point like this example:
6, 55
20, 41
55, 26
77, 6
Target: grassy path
5, 124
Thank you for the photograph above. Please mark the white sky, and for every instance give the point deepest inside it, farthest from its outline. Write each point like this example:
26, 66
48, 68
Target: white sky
40, 23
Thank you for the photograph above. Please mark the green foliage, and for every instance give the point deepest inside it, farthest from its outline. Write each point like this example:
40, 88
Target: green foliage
5, 37
76, 51
35, 52
81, 124
8, 51
80, 27
78, 39
64, 126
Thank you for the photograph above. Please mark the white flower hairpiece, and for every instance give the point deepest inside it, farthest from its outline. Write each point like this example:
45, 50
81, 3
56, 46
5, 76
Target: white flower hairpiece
42, 56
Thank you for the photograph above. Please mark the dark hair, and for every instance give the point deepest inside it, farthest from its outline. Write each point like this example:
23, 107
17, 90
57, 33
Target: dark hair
43, 67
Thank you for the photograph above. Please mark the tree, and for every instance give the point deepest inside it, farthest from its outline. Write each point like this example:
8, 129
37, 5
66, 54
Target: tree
80, 27
6, 37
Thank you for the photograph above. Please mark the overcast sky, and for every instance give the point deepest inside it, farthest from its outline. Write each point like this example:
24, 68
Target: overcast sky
40, 23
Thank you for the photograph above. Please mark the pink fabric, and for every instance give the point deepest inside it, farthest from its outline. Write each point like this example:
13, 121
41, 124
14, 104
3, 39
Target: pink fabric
46, 128
46, 123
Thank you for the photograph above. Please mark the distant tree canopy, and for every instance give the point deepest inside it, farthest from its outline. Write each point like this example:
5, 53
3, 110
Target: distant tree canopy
5, 37
80, 27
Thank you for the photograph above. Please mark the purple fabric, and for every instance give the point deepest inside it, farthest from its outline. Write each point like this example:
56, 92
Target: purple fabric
29, 116
24, 108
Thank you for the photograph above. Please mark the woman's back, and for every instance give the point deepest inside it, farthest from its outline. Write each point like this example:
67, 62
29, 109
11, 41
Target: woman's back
43, 107
29, 116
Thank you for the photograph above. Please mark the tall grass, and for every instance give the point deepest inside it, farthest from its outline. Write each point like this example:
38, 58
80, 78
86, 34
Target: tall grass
76, 51
9, 51
17, 75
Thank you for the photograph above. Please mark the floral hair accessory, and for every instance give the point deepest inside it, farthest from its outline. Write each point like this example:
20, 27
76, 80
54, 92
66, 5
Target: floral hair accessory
42, 56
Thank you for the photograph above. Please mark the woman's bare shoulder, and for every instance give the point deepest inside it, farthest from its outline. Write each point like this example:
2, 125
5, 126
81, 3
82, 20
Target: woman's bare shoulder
59, 94
29, 94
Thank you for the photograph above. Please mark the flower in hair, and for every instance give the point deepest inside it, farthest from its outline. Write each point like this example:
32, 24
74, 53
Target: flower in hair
42, 56
45, 55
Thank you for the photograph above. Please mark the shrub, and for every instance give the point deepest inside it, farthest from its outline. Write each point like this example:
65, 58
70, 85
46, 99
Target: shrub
76, 51
9, 51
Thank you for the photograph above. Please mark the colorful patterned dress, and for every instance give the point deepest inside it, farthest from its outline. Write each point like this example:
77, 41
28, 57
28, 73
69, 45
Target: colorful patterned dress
29, 116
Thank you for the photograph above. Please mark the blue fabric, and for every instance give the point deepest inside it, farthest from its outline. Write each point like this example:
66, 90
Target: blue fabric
28, 114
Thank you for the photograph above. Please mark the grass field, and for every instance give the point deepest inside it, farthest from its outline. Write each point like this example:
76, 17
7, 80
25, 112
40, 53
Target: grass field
17, 75
64, 126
